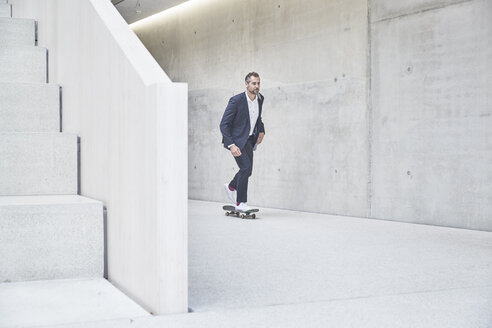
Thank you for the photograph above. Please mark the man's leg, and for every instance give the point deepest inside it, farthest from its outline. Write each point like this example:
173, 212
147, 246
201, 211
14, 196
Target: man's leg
240, 181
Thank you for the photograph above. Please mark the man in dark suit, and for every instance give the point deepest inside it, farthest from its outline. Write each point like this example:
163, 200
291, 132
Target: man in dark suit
242, 130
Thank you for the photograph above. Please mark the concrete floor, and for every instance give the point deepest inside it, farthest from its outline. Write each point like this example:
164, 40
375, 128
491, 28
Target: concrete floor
293, 269
356, 270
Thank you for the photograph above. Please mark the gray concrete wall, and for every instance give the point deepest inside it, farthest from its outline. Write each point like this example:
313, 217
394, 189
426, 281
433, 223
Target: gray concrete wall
311, 56
378, 109
432, 124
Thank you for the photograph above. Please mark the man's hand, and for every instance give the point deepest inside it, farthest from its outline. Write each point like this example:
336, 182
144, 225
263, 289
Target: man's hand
235, 151
260, 137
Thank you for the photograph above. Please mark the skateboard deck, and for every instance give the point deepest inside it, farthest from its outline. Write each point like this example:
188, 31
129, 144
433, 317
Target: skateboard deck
231, 210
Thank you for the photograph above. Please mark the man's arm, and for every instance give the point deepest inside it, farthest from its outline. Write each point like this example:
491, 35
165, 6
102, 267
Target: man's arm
226, 127
261, 127
226, 122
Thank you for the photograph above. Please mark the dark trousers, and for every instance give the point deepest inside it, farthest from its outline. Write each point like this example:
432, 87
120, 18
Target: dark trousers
245, 163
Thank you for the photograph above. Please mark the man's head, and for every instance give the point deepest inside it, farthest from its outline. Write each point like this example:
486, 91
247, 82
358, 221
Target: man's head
252, 81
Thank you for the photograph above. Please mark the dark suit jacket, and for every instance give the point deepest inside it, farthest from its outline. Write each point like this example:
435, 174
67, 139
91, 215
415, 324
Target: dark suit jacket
235, 124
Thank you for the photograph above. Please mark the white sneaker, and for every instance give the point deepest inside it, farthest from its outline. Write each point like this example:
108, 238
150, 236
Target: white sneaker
243, 207
231, 194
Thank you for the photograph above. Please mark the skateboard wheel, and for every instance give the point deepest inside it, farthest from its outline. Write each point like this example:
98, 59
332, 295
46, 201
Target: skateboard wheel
227, 213
242, 216
253, 216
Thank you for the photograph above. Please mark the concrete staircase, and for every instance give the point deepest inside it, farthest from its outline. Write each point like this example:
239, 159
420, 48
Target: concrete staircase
51, 239
47, 231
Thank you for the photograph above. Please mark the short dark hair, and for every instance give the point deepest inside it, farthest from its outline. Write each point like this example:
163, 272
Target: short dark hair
248, 77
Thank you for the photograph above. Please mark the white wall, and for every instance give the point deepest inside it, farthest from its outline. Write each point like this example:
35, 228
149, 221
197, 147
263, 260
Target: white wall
132, 122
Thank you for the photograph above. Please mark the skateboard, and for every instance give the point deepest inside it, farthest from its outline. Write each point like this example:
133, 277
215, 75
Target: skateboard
231, 210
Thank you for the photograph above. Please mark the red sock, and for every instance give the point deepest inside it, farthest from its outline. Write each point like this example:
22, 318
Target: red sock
231, 189
237, 203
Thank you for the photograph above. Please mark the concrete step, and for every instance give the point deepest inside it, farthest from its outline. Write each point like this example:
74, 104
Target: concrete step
50, 237
71, 301
452, 308
29, 107
5, 10
38, 163
14, 31
23, 64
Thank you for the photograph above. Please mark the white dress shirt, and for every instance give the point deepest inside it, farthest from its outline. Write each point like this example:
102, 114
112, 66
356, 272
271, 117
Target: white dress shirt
254, 110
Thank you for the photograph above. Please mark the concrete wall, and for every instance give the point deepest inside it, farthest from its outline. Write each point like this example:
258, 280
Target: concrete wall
132, 122
431, 104
311, 56
372, 108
